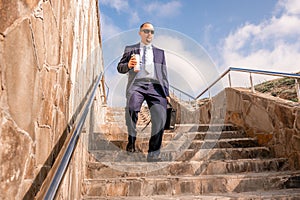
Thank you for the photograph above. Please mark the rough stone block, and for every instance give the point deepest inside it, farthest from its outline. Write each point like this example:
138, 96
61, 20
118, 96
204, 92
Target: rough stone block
213, 186
187, 187
296, 143
163, 187
20, 75
135, 188
233, 102
12, 10
284, 116
148, 187
44, 144
117, 188
297, 122
51, 31
258, 118
14, 155
98, 189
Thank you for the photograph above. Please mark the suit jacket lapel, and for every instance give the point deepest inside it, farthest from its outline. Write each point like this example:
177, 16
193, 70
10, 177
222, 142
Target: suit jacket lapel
154, 55
136, 49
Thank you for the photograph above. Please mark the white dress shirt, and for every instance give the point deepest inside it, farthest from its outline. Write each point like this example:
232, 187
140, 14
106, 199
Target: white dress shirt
147, 68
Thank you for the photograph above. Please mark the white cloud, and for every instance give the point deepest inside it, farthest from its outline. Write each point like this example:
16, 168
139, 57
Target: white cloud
290, 6
273, 44
285, 26
160, 9
119, 5
189, 66
108, 29
134, 18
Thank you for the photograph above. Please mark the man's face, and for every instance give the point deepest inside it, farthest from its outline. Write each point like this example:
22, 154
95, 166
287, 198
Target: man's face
147, 33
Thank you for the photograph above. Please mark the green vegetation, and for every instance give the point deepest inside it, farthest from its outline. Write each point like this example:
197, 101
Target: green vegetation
282, 88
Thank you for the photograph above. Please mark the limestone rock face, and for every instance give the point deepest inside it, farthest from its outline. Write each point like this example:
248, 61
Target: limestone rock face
10, 11
50, 54
20, 75
15, 151
274, 121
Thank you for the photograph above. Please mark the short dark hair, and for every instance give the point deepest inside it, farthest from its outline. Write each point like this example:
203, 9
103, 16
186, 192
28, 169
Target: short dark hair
144, 24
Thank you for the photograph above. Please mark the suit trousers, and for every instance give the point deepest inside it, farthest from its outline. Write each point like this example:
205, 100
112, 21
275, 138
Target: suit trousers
153, 94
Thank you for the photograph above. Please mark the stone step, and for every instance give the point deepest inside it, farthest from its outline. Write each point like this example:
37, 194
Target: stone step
120, 118
171, 135
120, 127
292, 194
117, 115
115, 109
232, 153
176, 145
184, 155
191, 185
205, 127
95, 170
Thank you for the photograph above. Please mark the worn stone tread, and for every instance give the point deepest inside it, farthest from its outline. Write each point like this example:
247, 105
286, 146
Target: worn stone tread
123, 169
179, 185
218, 161
280, 174
178, 144
119, 155
168, 136
119, 127
291, 194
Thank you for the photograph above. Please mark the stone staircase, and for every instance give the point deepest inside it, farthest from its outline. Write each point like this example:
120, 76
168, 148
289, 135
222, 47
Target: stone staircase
199, 162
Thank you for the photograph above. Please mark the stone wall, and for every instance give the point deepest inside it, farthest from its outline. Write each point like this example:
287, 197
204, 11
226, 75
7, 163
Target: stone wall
205, 111
273, 121
50, 55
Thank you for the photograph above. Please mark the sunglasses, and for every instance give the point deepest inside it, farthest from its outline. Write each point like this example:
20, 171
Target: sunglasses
147, 31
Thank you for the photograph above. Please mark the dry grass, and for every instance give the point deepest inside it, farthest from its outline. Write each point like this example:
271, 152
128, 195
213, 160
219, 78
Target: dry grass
283, 88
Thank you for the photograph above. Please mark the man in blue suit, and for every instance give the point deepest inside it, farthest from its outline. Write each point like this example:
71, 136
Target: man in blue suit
149, 83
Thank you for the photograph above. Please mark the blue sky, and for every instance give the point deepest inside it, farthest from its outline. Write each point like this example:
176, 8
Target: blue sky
206, 21
256, 34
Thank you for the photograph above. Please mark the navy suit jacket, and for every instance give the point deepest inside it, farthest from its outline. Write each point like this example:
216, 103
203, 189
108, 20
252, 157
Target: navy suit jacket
159, 66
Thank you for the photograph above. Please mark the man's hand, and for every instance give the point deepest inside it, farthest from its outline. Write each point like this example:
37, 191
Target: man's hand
169, 99
132, 62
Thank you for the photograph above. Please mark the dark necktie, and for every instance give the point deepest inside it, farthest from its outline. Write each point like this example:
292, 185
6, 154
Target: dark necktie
144, 56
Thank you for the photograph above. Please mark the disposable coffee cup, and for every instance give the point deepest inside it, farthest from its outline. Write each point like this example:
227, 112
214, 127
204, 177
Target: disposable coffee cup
137, 67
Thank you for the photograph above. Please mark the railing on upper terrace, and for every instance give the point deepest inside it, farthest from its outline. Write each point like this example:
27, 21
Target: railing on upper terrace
251, 72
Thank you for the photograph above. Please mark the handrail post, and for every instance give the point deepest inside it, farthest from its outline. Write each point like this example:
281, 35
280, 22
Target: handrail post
251, 82
250, 71
229, 79
297, 84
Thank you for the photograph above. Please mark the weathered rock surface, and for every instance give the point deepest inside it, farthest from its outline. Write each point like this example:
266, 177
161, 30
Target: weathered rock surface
45, 75
199, 161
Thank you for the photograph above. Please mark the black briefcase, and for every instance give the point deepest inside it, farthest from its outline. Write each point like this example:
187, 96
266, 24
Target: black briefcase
171, 117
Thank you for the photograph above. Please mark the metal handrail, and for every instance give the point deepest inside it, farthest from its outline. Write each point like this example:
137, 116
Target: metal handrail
188, 95
264, 72
251, 71
212, 84
63, 165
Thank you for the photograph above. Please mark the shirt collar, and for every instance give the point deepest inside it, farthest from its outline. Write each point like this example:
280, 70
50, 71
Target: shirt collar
147, 46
